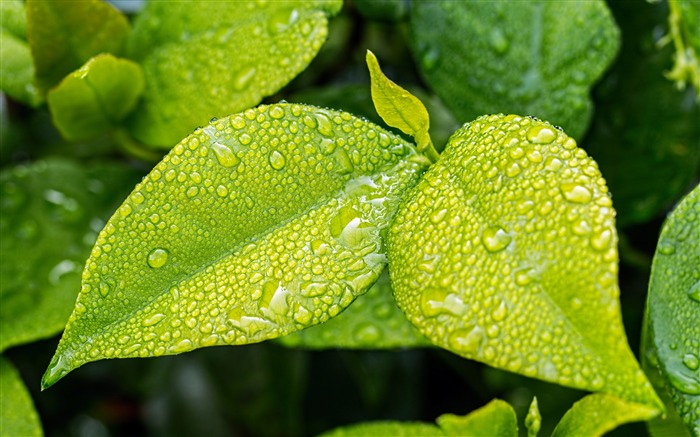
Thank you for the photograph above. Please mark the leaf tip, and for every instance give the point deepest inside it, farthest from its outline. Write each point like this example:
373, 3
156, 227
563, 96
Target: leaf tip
58, 368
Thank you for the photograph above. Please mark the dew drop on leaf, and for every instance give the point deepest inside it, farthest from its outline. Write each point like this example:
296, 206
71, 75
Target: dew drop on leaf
157, 258
277, 160
224, 156
495, 239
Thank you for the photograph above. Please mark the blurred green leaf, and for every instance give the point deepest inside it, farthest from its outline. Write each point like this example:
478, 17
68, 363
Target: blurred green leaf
598, 413
495, 419
63, 35
17, 75
644, 131
684, 23
391, 11
506, 252
96, 97
532, 58
52, 211
673, 309
212, 59
18, 418
373, 321
258, 225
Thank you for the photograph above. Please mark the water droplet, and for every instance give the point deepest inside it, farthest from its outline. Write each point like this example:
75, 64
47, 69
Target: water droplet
104, 288
277, 112
495, 238
541, 134
245, 139
498, 40
691, 361
343, 160
238, 122
694, 292
61, 269
153, 320
243, 78
438, 216
581, 227
184, 346
466, 341
222, 191
666, 248
575, 193
125, 210
324, 125
277, 160
224, 155
500, 313
157, 258
367, 333
431, 301
137, 198
601, 240
430, 58
281, 20
684, 383
523, 276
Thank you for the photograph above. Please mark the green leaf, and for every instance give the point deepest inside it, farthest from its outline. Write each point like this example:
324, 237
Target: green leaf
260, 224
392, 11
65, 35
683, 19
673, 309
211, 59
658, 140
505, 252
399, 108
533, 420
535, 58
495, 419
95, 97
394, 429
17, 75
373, 321
50, 210
17, 414
598, 413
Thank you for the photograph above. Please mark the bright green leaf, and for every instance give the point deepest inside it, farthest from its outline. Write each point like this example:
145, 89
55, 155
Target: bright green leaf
506, 253
393, 429
211, 59
260, 224
673, 309
399, 108
495, 419
535, 58
51, 212
96, 97
64, 35
17, 414
598, 413
533, 420
17, 75
373, 321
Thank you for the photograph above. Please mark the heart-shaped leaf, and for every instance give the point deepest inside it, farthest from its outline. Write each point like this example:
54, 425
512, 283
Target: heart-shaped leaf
65, 35
505, 253
528, 57
210, 59
260, 224
373, 321
17, 414
672, 334
95, 97
51, 213
17, 74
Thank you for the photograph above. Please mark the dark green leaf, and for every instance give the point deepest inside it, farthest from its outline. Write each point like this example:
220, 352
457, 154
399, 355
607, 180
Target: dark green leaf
65, 35
17, 75
373, 321
17, 414
673, 309
96, 97
51, 212
258, 225
535, 58
211, 59
383, 10
495, 419
506, 252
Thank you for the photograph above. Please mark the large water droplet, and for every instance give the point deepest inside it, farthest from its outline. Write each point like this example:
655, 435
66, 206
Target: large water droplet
691, 361
466, 341
495, 238
277, 112
153, 320
277, 160
601, 240
157, 258
694, 292
324, 125
541, 134
343, 160
224, 155
684, 383
575, 193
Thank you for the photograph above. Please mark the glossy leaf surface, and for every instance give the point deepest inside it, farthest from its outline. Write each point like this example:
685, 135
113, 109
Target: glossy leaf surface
373, 321
52, 211
17, 75
96, 97
211, 59
534, 58
673, 309
17, 414
506, 253
495, 419
260, 224
65, 35
598, 413
394, 429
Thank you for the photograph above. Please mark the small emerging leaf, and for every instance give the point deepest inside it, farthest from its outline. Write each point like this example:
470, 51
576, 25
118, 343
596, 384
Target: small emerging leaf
96, 97
373, 321
258, 225
495, 419
64, 35
399, 108
683, 21
533, 420
673, 309
506, 253
17, 414
211, 59
598, 413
